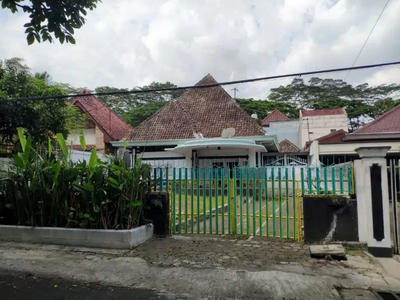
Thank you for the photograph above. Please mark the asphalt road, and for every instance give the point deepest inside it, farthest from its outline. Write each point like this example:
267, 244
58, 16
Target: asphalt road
26, 287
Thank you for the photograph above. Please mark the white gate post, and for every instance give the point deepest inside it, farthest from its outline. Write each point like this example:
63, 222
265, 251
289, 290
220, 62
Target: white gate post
373, 200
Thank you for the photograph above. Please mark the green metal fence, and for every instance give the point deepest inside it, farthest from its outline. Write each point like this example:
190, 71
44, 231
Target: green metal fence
264, 201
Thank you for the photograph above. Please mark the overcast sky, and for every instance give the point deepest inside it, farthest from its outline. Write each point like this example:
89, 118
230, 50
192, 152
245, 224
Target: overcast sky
127, 43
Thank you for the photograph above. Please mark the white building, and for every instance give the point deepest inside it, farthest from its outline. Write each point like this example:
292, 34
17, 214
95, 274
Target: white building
318, 123
188, 132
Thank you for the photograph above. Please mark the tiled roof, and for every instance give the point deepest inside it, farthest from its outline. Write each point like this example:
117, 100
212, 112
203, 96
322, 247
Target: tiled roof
287, 146
388, 122
322, 112
79, 148
205, 111
331, 138
102, 116
275, 115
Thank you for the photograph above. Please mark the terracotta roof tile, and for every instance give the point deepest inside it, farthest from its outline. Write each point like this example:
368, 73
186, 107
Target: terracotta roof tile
199, 110
388, 122
322, 112
275, 115
102, 116
79, 148
287, 146
331, 138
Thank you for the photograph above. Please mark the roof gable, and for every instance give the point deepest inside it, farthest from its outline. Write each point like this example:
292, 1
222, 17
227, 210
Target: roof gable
331, 138
275, 115
205, 111
287, 146
101, 115
322, 112
388, 122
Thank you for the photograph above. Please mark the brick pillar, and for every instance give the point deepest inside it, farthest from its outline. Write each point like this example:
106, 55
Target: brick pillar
373, 200
100, 145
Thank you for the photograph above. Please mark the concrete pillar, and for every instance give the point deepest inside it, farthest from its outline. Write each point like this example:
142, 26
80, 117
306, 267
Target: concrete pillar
252, 158
373, 200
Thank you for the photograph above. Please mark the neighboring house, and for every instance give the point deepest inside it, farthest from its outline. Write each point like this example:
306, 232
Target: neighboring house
203, 127
103, 125
318, 123
339, 146
276, 123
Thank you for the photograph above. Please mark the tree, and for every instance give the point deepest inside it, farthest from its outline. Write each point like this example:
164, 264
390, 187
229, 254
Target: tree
362, 102
51, 17
140, 113
120, 103
263, 108
40, 118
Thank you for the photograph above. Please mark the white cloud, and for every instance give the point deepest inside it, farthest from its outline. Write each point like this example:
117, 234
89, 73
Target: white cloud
127, 43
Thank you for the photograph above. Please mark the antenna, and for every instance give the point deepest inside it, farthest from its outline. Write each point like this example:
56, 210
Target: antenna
228, 133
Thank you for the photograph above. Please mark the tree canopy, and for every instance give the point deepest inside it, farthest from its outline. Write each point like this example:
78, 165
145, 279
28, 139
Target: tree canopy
40, 118
48, 18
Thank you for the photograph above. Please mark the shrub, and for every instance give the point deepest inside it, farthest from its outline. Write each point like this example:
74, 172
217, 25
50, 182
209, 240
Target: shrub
48, 189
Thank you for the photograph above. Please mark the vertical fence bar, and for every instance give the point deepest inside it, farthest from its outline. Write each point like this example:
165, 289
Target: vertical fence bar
231, 201
247, 202
325, 181
318, 181
273, 202
155, 179
180, 200
254, 200
303, 189
161, 180
234, 200
266, 203
216, 200
192, 199
310, 180
210, 175
260, 202
222, 200
204, 202
341, 180
173, 200
349, 184
228, 183
167, 179
241, 200
280, 200
186, 200
198, 198
287, 202
333, 181
294, 196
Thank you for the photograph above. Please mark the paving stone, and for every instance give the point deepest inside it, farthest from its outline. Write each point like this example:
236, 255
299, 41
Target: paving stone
325, 250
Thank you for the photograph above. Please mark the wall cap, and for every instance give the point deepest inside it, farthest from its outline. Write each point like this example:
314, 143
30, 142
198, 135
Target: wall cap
372, 152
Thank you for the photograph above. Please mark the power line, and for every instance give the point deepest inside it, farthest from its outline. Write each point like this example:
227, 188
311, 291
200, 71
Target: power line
362, 48
211, 85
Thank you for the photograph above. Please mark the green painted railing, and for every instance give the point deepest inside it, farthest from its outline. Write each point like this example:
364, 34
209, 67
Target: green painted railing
246, 201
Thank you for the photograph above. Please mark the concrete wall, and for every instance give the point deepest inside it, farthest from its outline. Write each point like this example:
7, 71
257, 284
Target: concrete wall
89, 134
119, 239
285, 130
100, 145
319, 126
348, 148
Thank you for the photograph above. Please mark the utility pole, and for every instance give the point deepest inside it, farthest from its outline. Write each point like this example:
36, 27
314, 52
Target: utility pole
234, 92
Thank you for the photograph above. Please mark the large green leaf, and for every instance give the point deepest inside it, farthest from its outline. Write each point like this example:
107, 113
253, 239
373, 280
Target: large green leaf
93, 160
49, 143
21, 137
82, 141
63, 144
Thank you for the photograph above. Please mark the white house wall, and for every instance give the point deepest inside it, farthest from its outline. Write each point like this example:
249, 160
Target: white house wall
348, 148
89, 134
319, 126
224, 152
285, 130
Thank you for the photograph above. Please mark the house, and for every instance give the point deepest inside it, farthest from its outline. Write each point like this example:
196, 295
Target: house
203, 127
103, 126
318, 123
339, 146
276, 123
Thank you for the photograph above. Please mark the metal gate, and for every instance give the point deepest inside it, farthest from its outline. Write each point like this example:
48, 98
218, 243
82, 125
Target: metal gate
263, 201
394, 202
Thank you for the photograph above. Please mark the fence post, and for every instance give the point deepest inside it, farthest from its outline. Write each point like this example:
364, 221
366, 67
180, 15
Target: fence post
232, 206
373, 200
